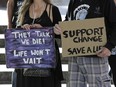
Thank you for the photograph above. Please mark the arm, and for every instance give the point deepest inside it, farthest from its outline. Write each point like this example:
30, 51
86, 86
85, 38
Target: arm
10, 6
56, 15
56, 19
110, 20
68, 16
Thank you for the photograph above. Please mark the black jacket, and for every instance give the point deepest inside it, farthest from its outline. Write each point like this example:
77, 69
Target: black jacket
96, 9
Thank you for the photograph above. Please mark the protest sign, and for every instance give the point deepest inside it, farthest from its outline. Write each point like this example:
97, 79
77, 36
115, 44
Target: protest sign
82, 37
30, 48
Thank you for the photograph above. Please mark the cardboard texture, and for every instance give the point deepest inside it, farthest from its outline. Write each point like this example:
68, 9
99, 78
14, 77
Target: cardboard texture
82, 37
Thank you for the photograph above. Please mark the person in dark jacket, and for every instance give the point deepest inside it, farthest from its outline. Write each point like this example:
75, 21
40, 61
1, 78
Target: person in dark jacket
12, 12
112, 62
92, 70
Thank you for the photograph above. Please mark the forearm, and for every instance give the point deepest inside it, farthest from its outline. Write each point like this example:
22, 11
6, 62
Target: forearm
10, 6
111, 42
110, 20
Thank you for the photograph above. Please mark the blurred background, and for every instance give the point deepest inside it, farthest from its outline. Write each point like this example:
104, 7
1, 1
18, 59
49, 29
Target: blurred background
5, 73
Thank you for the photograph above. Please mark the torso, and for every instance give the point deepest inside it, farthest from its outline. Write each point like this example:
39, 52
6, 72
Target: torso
87, 9
44, 19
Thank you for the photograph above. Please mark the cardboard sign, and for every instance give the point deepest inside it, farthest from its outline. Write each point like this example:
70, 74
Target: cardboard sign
30, 48
82, 37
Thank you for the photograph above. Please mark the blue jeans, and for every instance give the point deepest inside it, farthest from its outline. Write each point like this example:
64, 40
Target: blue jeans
14, 78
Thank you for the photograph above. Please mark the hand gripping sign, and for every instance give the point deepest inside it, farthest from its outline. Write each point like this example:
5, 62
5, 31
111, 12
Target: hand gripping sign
86, 37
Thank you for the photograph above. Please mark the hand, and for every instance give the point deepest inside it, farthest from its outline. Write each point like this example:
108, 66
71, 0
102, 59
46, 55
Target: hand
26, 26
57, 29
36, 26
104, 52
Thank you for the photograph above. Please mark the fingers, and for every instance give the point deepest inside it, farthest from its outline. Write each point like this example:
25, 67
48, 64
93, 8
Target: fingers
57, 29
26, 26
36, 26
104, 52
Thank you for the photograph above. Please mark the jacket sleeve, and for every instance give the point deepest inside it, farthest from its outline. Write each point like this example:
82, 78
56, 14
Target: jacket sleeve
110, 19
69, 11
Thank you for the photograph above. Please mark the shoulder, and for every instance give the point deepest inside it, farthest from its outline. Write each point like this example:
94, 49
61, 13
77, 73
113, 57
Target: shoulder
54, 7
11, 0
55, 10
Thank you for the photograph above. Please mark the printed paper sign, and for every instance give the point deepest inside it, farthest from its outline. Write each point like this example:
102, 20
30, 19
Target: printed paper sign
30, 48
82, 37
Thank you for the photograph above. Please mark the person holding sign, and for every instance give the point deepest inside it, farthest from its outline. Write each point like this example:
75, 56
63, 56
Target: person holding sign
92, 70
35, 14
12, 12
112, 62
